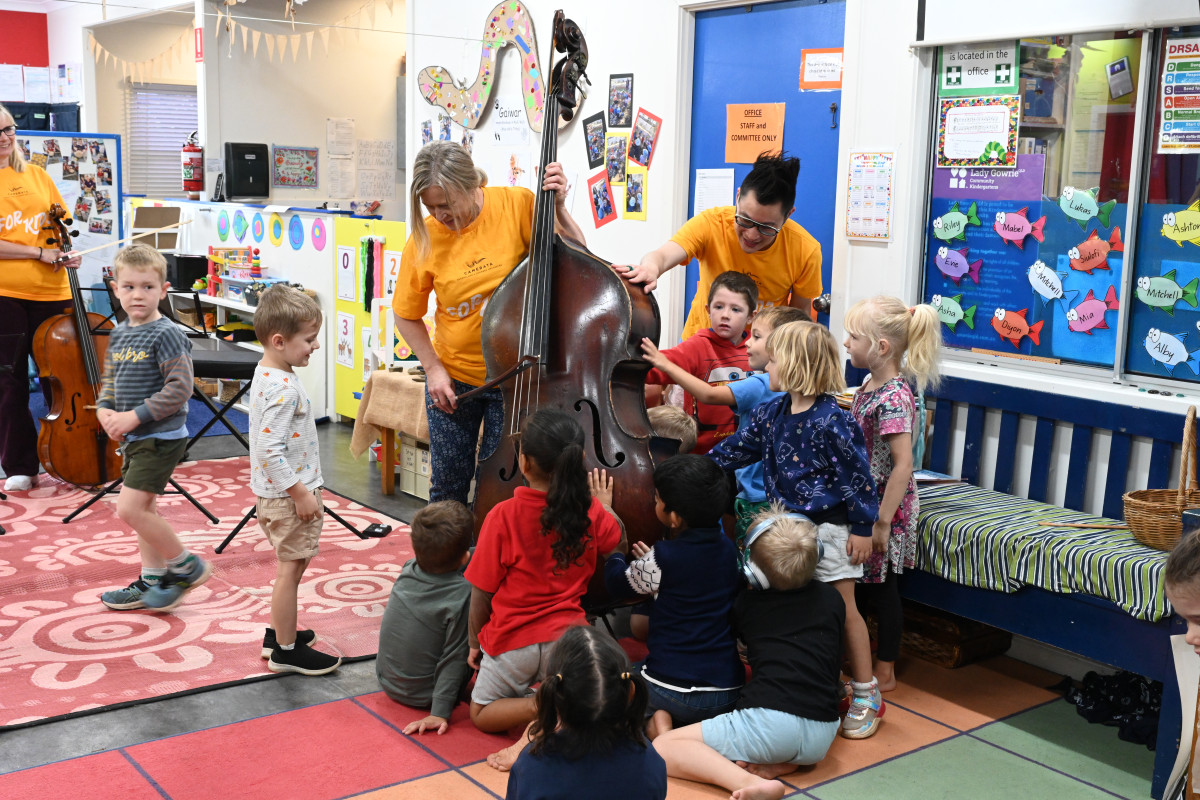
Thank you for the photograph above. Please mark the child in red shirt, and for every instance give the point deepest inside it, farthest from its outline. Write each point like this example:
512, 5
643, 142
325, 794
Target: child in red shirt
716, 355
535, 556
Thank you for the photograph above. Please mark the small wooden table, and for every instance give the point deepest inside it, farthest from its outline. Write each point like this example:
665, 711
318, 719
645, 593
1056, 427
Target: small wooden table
392, 402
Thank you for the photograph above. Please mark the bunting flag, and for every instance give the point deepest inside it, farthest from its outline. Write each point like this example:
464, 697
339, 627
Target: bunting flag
295, 45
145, 69
256, 36
325, 39
270, 47
308, 39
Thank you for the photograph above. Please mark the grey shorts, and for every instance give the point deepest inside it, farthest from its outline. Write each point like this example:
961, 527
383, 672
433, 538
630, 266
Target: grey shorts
510, 674
149, 462
764, 736
835, 563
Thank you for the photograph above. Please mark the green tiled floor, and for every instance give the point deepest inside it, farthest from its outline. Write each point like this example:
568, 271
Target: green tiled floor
1046, 752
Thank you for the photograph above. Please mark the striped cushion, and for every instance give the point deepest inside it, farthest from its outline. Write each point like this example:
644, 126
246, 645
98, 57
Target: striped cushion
990, 540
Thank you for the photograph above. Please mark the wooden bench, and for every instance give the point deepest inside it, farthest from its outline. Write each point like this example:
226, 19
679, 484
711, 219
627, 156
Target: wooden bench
1064, 617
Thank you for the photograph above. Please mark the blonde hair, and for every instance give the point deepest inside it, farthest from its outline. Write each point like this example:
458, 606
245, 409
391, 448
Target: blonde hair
443, 165
774, 316
16, 159
284, 310
786, 552
807, 357
915, 335
142, 258
674, 423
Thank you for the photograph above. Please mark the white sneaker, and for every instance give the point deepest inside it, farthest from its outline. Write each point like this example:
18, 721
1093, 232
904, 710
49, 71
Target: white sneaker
19, 483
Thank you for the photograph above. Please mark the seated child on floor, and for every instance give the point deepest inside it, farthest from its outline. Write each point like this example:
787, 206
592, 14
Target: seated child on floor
422, 657
791, 626
587, 740
692, 670
715, 355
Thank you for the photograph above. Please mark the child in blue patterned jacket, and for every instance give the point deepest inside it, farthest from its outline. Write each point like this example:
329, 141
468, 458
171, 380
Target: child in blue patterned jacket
815, 463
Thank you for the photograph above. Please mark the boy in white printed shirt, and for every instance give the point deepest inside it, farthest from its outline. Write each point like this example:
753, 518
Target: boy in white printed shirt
285, 469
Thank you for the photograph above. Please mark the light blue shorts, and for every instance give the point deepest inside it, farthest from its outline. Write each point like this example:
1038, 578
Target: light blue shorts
835, 563
765, 736
510, 674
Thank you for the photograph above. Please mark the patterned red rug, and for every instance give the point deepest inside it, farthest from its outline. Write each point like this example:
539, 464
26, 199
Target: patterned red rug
62, 652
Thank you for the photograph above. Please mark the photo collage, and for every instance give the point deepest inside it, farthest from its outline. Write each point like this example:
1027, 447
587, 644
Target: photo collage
624, 155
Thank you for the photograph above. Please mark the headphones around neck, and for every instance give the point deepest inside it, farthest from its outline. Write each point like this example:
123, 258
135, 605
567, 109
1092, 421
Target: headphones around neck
750, 571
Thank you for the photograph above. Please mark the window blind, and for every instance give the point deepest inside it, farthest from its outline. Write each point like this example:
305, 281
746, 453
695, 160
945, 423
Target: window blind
158, 120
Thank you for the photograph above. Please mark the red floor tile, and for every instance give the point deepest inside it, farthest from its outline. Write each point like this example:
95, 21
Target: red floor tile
462, 744
104, 775
331, 750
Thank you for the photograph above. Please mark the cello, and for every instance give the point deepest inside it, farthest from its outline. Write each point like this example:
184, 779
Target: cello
576, 347
72, 445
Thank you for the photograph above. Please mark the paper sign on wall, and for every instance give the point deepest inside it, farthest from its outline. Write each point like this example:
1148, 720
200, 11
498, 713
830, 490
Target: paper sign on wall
345, 339
391, 271
347, 278
1179, 124
978, 132
869, 196
821, 68
752, 129
978, 69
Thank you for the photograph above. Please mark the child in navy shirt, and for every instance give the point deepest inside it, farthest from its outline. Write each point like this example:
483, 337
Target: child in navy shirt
815, 463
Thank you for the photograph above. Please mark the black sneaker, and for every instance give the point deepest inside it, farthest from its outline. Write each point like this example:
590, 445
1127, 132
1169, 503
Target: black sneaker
302, 637
302, 659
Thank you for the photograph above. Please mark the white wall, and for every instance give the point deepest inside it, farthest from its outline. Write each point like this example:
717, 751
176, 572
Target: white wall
249, 99
653, 49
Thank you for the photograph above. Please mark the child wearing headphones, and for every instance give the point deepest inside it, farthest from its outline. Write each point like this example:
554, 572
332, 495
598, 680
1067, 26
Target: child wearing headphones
692, 671
815, 463
788, 711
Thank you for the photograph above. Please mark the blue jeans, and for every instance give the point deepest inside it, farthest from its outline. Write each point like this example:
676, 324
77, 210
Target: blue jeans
454, 437
686, 708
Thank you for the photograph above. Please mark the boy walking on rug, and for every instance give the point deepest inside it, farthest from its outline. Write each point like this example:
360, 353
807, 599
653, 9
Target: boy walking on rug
285, 469
423, 649
143, 404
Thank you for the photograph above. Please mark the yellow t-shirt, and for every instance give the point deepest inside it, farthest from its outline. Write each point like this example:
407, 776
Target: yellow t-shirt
463, 269
791, 264
25, 199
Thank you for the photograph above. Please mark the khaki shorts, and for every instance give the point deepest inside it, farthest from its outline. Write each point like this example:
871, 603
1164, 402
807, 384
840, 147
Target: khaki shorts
149, 462
292, 537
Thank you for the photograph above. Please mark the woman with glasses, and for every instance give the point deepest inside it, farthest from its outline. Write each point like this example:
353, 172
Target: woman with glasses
754, 237
33, 288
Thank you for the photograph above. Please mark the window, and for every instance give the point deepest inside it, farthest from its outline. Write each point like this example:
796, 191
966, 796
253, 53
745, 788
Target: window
1025, 247
1164, 323
158, 120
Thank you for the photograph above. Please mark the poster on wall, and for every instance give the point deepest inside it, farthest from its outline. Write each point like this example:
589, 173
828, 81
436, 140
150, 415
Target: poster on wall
294, 167
593, 135
635, 193
620, 100
821, 68
752, 129
970, 70
1179, 120
345, 339
601, 200
978, 132
869, 196
646, 128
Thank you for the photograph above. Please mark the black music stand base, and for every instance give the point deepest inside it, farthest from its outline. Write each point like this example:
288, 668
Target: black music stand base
3, 496
116, 485
253, 512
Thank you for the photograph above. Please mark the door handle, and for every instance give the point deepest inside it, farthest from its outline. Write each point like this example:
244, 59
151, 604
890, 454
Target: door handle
833, 114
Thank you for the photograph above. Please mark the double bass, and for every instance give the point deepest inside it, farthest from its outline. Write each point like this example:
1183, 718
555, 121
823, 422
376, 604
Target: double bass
562, 330
72, 445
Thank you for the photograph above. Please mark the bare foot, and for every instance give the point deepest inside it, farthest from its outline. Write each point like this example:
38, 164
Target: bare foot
767, 771
885, 675
503, 760
767, 790
659, 724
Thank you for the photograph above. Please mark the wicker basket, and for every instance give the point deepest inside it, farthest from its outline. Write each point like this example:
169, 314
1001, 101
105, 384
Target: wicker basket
1156, 515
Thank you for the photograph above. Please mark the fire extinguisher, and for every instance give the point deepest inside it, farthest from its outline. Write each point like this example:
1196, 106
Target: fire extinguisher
193, 166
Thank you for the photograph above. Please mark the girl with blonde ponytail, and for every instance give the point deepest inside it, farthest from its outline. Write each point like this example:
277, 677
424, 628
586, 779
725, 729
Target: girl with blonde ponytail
898, 345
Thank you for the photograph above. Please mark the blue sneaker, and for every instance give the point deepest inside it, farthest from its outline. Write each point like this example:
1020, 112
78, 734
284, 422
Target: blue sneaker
128, 598
169, 593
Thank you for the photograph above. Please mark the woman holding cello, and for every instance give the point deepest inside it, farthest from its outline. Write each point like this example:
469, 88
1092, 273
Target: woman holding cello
474, 236
33, 288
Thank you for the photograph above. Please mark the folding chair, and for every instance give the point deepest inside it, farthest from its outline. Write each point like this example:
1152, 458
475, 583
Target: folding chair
211, 358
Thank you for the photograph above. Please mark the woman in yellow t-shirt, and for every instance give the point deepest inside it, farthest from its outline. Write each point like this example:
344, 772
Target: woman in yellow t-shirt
754, 237
474, 236
33, 288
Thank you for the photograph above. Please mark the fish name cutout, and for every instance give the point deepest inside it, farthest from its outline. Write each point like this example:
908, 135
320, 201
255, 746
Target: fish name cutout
1013, 327
1014, 226
1089, 314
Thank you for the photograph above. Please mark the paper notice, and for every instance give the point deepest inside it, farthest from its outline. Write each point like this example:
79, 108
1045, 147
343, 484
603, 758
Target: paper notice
339, 136
714, 188
37, 84
12, 83
339, 171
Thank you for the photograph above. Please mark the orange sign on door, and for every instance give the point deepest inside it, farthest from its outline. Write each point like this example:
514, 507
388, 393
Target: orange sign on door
752, 129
